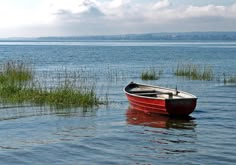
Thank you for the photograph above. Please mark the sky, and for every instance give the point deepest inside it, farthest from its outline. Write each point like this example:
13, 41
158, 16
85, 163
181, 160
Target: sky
35, 18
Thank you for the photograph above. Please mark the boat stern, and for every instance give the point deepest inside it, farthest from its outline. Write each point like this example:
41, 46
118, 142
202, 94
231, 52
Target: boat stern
181, 107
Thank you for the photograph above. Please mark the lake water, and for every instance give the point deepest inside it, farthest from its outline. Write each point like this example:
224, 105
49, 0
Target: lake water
115, 134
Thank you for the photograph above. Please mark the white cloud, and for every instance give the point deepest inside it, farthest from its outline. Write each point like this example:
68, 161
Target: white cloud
117, 3
209, 10
74, 6
118, 10
161, 4
91, 17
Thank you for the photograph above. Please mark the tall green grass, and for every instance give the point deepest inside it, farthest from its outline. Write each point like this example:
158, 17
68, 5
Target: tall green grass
229, 79
18, 85
15, 72
195, 72
151, 74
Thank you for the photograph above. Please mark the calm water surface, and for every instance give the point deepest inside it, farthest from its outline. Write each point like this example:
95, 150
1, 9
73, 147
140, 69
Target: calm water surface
116, 134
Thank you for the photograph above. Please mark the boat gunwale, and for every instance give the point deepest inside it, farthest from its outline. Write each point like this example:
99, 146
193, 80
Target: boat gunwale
193, 97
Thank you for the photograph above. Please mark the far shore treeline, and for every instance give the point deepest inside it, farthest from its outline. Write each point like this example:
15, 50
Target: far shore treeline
168, 36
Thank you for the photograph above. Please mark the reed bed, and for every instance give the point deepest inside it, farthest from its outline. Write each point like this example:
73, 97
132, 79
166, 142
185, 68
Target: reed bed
195, 72
18, 85
230, 79
15, 71
151, 74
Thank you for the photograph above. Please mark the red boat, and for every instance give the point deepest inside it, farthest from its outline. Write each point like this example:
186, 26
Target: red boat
155, 99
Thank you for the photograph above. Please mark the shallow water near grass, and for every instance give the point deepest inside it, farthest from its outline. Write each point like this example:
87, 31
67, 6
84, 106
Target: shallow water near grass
116, 134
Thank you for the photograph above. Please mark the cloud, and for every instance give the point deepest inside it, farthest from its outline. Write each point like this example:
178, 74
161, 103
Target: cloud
161, 4
209, 10
95, 17
132, 13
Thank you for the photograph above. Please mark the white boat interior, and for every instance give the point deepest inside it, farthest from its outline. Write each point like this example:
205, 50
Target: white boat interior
158, 92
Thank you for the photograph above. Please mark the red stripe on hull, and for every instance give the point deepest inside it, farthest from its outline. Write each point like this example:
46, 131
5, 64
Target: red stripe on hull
163, 106
150, 105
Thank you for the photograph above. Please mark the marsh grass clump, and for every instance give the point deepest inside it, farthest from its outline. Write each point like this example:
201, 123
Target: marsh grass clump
72, 96
18, 85
59, 96
194, 71
151, 74
230, 79
15, 71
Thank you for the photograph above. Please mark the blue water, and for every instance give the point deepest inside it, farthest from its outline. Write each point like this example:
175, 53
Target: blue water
114, 134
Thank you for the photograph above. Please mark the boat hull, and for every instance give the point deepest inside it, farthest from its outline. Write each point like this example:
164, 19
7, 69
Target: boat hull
173, 107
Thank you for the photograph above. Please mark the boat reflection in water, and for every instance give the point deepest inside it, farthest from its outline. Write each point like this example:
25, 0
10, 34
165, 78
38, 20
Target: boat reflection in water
136, 117
161, 136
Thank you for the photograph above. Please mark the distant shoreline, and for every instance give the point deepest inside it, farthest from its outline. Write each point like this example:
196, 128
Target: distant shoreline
172, 36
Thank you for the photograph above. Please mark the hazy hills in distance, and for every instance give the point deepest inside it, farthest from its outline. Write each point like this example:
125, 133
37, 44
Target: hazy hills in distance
172, 36
230, 36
